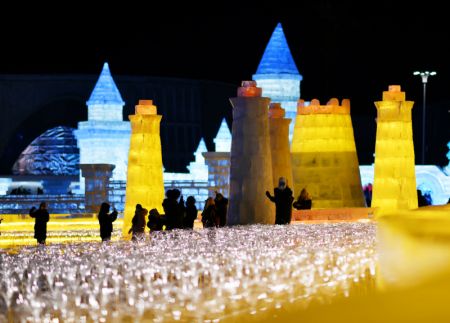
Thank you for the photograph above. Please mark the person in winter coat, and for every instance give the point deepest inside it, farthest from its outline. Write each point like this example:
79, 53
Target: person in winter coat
283, 202
155, 221
304, 201
209, 213
105, 220
221, 207
41, 218
191, 213
173, 209
138, 223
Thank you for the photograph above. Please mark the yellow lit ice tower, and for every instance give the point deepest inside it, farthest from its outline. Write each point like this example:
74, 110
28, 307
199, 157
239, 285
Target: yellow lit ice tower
279, 145
324, 159
145, 184
394, 185
250, 159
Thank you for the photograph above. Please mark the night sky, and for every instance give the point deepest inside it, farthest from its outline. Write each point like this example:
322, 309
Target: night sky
344, 49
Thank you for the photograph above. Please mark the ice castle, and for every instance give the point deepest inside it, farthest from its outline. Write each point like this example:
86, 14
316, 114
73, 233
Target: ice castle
278, 75
105, 138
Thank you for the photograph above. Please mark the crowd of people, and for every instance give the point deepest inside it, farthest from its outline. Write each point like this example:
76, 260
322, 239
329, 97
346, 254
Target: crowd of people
178, 214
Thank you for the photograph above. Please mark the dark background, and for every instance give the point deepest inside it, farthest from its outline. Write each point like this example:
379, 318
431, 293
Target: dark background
344, 49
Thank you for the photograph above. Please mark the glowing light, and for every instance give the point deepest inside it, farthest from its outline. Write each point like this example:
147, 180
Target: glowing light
394, 185
324, 159
191, 276
145, 183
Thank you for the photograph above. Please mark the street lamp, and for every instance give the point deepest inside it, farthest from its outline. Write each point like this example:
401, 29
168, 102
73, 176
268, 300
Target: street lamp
424, 76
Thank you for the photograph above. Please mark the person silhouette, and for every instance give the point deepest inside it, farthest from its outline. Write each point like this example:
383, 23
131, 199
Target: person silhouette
138, 223
221, 208
304, 201
41, 217
191, 213
283, 202
105, 220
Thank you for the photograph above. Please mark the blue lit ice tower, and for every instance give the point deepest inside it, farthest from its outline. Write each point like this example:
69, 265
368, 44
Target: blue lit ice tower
278, 75
105, 137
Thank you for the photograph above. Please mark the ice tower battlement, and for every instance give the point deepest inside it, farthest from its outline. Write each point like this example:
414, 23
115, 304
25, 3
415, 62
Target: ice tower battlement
394, 106
324, 159
332, 107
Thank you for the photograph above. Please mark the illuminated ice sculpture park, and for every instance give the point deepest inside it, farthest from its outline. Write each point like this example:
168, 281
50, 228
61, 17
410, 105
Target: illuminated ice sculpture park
394, 184
145, 183
279, 145
278, 75
105, 137
324, 159
251, 161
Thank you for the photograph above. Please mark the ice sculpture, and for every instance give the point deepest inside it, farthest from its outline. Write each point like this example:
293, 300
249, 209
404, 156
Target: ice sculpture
145, 183
198, 169
223, 138
219, 162
278, 75
54, 152
251, 161
105, 137
324, 159
394, 185
279, 145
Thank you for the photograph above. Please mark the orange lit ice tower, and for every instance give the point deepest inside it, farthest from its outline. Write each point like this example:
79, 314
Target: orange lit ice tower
251, 162
278, 75
324, 159
394, 185
279, 145
145, 183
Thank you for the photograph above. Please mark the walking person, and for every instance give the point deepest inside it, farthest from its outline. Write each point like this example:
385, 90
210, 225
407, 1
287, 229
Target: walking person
41, 217
283, 202
106, 220
138, 223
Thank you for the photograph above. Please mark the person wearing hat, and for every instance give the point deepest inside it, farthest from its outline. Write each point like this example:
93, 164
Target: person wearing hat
283, 202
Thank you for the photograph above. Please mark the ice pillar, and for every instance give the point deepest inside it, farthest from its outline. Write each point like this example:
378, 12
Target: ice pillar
251, 161
394, 185
324, 159
145, 183
279, 145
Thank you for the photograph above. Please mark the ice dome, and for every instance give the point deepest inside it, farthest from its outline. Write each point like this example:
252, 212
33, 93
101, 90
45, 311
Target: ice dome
55, 152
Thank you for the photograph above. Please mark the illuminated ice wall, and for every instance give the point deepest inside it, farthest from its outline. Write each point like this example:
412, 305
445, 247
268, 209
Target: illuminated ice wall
278, 76
105, 137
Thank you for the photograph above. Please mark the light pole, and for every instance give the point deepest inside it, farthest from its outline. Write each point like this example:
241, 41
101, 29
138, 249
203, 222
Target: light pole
424, 76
